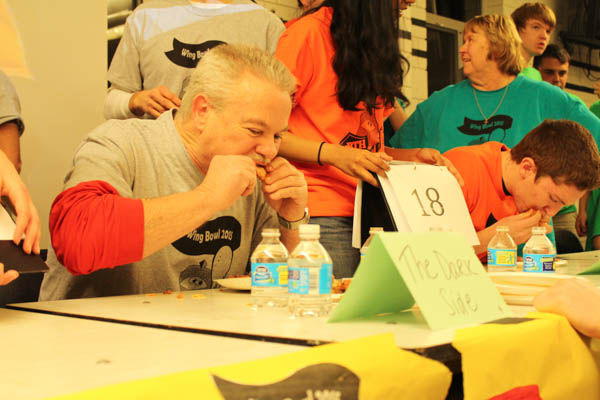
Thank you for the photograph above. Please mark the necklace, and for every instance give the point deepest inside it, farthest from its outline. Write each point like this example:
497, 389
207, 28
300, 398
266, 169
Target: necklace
496, 109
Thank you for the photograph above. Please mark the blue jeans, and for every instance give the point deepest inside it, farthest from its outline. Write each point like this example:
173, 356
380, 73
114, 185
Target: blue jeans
336, 237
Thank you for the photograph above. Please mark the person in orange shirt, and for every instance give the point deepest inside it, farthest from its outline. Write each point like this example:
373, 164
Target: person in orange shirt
346, 59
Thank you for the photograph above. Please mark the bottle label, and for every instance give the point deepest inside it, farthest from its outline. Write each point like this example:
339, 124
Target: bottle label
269, 274
538, 262
300, 280
502, 257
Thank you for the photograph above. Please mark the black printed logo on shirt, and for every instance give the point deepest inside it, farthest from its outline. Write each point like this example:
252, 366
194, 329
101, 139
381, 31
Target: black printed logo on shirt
367, 136
215, 241
491, 220
320, 381
187, 55
494, 130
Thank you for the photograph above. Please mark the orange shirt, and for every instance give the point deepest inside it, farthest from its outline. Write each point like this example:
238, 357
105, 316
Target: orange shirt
307, 49
481, 168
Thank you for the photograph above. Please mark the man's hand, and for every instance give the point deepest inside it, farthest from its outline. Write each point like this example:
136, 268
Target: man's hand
577, 299
355, 162
285, 189
228, 177
581, 223
28, 221
153, 101
520, 225
8, 276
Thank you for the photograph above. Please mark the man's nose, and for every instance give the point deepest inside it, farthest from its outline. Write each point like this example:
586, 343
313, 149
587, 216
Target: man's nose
267, 148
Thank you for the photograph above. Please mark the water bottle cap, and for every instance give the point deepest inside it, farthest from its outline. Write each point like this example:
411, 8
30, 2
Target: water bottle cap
271, 232
310, 229
537, 230
375, 229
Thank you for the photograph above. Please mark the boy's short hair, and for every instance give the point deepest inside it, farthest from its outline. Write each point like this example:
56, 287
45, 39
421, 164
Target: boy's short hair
553, 51
538, 11
563, 150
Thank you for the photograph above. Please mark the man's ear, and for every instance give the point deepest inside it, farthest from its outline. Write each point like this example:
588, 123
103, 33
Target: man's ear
527, 168
200, 109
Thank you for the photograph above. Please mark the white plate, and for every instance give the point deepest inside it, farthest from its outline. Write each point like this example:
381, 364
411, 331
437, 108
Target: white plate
519, 290
242, 283
544, 279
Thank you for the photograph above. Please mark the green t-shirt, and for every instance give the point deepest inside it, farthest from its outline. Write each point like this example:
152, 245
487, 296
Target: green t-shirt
531, 73
595, 108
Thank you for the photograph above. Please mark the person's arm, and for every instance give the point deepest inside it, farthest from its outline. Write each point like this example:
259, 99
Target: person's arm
93, 227
9, 143
411, 132
398, 117
578, 300
28, 221
354, 162
581, 221
116, 104
125, 74
153, 101
120, 104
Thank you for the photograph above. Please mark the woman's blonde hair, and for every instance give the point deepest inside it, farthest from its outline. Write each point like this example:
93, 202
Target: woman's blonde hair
505, 42
221, 69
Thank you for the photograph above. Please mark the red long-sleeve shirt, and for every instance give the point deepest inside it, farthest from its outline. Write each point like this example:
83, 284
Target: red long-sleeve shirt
92, 227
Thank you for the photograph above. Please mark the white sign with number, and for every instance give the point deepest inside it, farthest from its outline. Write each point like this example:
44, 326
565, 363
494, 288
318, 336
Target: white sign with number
426, 198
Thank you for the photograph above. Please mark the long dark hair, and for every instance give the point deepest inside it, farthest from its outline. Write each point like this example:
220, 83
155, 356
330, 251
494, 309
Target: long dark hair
367, 58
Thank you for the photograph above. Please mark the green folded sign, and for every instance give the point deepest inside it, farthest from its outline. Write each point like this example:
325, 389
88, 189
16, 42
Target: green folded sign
438, 270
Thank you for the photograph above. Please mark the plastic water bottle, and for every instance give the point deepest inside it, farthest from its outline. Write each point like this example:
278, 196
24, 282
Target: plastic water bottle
539, 253
365, 246
502, 251
310, 275
269, 271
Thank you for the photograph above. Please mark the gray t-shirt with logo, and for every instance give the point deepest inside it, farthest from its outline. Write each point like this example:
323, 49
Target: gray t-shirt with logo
164, 40
147, 159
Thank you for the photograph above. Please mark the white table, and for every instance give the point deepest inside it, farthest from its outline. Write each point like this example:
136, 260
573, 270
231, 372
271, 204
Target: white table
229, 313
47, 355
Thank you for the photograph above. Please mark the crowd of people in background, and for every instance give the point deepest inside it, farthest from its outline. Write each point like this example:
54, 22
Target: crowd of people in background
164, 194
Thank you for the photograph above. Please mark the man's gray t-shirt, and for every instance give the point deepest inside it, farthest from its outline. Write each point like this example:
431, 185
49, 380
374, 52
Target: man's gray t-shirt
147, 159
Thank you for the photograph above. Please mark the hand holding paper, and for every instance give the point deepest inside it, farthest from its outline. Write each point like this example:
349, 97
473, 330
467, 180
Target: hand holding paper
356, 162
28, 221
8, 276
